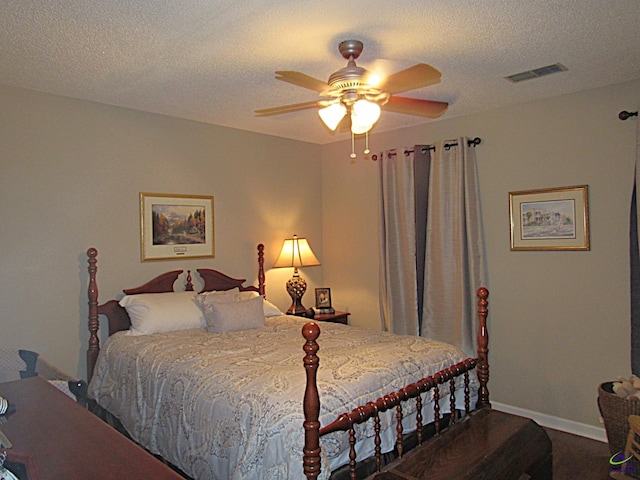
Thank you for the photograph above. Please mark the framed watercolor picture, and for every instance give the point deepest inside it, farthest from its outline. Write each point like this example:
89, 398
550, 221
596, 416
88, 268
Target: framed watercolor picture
550, 219
176, 226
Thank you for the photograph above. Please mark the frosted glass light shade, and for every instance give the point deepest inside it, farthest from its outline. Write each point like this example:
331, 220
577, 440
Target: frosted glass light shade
363, 115
332, 115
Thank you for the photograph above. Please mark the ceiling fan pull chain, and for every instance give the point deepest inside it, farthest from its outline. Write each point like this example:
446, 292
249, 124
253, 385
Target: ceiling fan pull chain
353, 153
366, 143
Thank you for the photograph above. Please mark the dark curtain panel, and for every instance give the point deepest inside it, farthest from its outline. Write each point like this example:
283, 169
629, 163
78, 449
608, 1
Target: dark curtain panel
635, 286
421, 168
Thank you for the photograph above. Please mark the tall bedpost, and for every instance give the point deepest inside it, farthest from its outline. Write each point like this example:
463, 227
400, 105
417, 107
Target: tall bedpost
311, 452
483, 349
261, 278
94, 323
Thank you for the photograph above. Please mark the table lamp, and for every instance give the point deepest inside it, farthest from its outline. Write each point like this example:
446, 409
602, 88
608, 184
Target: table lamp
295, 253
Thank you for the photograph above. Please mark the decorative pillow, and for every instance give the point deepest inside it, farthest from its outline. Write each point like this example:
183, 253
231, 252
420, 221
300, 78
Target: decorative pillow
205, 299
270, 310
224, 317
162, 312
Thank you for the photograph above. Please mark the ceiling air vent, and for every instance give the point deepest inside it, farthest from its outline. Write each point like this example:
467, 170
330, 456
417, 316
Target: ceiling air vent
537, 72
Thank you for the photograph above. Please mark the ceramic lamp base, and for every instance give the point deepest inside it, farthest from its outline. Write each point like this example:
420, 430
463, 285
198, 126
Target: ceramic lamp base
296, 286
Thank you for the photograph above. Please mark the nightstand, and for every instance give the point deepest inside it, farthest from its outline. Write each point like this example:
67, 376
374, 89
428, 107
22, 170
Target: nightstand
338, 317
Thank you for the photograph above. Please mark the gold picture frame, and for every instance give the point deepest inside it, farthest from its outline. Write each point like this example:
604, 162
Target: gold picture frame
176, 226
550, 219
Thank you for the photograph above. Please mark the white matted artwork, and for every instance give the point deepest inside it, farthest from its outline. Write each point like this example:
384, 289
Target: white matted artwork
176, 226
550, 219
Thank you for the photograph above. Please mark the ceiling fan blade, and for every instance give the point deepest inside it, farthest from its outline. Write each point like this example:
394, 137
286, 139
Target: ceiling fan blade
415, 106
418, 76
295, 107
302, 80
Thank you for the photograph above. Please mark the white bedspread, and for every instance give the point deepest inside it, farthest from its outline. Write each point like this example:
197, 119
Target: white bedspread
229, 406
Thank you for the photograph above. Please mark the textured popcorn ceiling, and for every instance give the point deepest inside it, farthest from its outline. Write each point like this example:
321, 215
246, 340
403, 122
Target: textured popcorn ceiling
213, 61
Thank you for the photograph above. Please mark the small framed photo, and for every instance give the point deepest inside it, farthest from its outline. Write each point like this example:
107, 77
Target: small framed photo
550, 219
323, 297
176, 226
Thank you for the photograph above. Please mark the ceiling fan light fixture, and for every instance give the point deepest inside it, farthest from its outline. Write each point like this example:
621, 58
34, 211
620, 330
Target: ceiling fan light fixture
362, 93
332, 115
363, 115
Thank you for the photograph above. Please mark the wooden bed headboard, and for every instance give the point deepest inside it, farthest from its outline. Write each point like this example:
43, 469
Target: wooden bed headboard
117, 316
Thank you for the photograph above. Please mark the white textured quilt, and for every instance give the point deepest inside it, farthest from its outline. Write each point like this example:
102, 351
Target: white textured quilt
229, 406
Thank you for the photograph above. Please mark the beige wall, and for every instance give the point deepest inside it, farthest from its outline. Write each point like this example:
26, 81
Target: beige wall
71, 172
70, 176
559, 321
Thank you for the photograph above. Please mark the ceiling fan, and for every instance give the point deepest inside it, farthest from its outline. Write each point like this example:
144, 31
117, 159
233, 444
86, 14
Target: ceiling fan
362, 93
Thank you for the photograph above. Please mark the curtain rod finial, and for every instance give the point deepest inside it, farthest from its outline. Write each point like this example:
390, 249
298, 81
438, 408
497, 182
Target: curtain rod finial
623, 115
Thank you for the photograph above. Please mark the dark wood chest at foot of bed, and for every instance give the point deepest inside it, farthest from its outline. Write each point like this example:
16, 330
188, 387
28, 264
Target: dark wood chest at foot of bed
489, 445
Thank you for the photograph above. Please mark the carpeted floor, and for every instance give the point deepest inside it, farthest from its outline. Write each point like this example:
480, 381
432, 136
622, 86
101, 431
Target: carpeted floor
578, 458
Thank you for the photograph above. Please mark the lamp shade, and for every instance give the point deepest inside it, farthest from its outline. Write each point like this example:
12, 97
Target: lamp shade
332, 115
363, 115
296, 252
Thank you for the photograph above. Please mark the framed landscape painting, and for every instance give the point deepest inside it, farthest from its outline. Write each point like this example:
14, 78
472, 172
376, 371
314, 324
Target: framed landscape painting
176, 226
550, 219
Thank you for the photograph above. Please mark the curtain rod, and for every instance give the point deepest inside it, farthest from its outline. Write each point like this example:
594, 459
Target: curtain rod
472, 143
623, 115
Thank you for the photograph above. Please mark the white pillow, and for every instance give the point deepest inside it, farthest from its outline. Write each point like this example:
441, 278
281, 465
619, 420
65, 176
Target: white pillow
162, 312
247, 295
270, 310
224, 317
232, 295
205, 299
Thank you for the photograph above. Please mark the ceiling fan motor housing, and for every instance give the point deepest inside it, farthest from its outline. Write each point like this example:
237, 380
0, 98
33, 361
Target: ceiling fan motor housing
349, 77
349, 83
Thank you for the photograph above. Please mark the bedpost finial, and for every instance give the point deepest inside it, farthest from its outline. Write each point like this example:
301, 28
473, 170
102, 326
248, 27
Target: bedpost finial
483, 293
311, 331
92, 252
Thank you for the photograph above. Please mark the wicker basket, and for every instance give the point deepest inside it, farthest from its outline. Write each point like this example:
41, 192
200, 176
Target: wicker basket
615, 411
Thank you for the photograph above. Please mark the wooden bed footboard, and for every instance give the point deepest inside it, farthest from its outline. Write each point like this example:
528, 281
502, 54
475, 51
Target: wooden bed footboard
361, 414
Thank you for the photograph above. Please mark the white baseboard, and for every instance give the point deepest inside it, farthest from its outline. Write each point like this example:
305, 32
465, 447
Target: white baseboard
557, 423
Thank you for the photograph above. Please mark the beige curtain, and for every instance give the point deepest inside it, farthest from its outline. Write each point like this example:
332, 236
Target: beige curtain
454, 258
398, 294
429, 274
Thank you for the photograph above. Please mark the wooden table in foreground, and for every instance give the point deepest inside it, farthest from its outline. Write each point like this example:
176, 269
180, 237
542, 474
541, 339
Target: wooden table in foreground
66, 441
